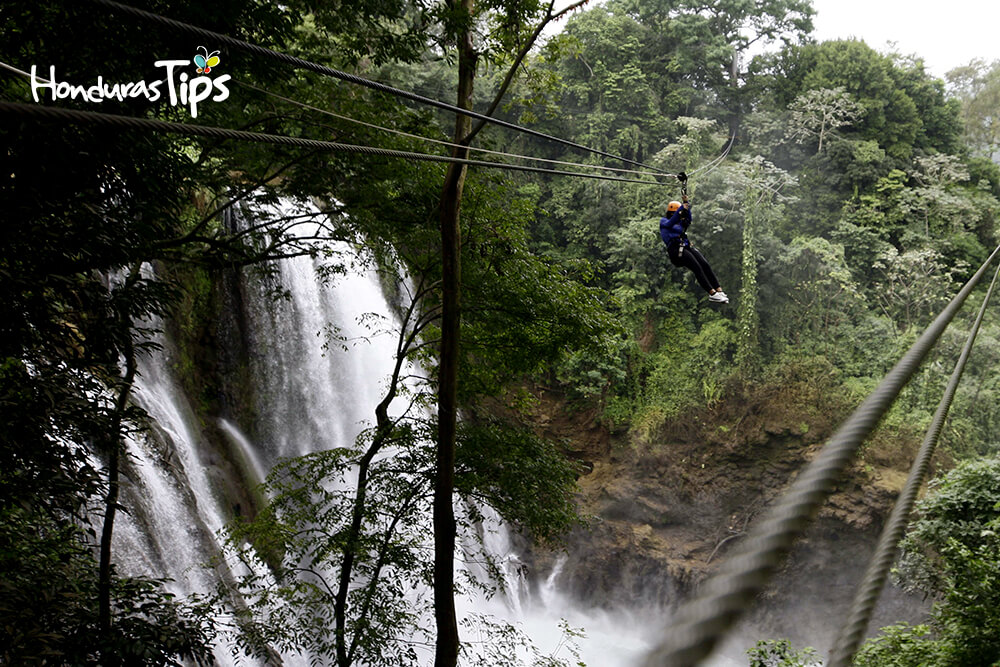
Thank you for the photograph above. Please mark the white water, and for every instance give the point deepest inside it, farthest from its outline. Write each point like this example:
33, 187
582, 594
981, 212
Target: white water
315, 393
170, 496
312, 396
609, 639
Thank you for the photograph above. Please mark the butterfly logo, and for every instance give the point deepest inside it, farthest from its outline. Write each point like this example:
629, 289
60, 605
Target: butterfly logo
205, 60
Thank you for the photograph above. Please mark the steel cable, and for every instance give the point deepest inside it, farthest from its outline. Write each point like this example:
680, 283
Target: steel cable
871, 586
96, 118
699, 624
409, 135
439, 142
711, 166
353, 78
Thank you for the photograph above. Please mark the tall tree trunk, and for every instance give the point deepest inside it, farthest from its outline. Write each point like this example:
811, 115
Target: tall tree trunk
114, 448
747, 317
346, 647
446, 654
736, 107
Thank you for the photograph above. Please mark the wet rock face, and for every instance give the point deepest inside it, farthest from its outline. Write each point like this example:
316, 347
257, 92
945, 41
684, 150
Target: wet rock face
662, 515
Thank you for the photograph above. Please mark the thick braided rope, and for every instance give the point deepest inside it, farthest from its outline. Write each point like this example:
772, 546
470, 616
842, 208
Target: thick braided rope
871, 586
353, 78
700, 624
97, 118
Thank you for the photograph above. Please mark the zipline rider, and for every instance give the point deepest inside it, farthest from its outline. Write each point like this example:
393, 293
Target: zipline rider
673, 231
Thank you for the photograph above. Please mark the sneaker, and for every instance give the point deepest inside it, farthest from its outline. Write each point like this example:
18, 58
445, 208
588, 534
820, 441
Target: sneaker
718, 297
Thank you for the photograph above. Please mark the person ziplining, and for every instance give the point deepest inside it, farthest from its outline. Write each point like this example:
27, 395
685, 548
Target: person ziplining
673, 231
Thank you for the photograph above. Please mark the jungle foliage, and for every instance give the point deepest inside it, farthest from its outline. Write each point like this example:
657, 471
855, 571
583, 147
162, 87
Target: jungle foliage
858, 194
849, 211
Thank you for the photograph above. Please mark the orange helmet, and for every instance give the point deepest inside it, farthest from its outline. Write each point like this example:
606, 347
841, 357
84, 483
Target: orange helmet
673, 206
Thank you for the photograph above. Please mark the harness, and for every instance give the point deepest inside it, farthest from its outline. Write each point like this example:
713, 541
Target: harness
678, 243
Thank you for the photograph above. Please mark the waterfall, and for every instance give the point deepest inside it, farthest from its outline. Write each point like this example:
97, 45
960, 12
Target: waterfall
174, 514
311, 392
317, 387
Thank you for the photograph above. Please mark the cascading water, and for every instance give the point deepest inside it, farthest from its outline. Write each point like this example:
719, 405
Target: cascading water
312, 393
309, 395
609, 639
170, 531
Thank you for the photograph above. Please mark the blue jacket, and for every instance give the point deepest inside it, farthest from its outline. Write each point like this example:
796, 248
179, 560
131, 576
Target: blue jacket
672, 229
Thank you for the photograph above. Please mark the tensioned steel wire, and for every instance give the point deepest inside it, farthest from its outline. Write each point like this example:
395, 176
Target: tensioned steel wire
390, 130
871, 586
358, 80
97, 118
440, 142
11, 68
711, 166
700, 624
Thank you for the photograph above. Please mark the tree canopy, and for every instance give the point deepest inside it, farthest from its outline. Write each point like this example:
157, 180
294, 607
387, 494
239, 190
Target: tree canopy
842, 194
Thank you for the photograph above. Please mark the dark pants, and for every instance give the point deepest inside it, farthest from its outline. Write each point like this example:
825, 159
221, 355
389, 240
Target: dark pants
690, 258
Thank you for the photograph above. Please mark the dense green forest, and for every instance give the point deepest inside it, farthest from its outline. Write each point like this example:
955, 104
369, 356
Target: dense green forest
842, 194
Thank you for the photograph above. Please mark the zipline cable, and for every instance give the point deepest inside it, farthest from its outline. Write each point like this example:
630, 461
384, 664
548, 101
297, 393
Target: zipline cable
353, 78
440, 142
871, 586
699, 624
711, 166
11, 68
390, 130
97, 118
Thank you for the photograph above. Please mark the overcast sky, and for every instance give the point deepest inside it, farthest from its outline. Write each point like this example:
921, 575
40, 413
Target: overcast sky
946, 34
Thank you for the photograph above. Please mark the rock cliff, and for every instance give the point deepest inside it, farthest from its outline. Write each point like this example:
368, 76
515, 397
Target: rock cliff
663, 511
